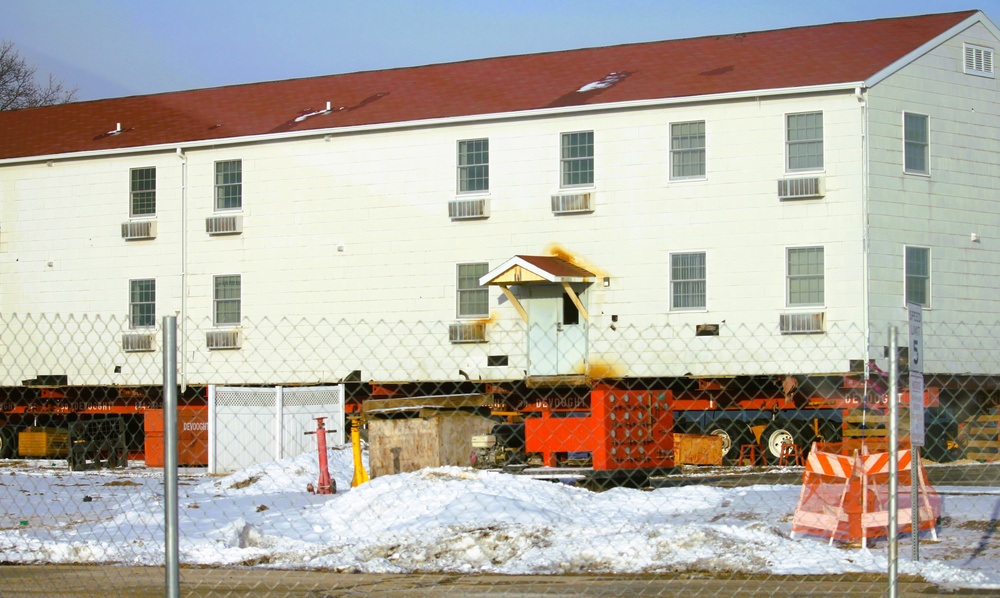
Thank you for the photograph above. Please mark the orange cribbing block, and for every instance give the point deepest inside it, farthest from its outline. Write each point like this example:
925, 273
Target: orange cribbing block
846, 498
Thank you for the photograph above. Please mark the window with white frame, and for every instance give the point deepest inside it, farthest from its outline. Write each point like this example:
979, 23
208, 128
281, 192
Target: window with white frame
918, 275
916, 143
473, 300
577, 159
687, 281
227, 300
142, 196
805, 275
978, 60
142, 303
687, 150
804, 141
474, 166
229, 185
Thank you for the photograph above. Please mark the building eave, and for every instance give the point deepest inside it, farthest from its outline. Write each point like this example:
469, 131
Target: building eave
436, 122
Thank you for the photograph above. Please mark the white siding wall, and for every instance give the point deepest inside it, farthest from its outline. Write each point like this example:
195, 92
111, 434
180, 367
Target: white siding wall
384, 196
939, 211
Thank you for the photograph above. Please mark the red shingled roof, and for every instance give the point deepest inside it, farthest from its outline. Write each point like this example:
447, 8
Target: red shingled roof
548, 267
799, 57
555, 266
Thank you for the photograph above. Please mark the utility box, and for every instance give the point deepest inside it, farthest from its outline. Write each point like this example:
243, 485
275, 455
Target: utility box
192, 436
413, 433
43, 442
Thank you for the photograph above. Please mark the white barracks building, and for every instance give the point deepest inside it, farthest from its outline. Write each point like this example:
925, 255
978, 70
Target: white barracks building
754, 204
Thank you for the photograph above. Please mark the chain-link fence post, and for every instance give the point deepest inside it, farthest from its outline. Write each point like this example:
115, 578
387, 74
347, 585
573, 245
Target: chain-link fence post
893, 464
172, 554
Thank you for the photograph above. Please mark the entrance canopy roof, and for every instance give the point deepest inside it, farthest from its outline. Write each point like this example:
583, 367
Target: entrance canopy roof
527, 269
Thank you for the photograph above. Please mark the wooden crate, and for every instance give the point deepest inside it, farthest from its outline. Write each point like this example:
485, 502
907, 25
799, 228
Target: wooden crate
695, 449
410, 434
983, 435
43, 442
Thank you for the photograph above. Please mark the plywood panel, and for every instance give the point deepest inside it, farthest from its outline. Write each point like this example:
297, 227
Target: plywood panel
434, 439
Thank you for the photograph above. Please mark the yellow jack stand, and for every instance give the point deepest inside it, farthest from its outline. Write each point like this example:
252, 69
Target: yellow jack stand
360, 475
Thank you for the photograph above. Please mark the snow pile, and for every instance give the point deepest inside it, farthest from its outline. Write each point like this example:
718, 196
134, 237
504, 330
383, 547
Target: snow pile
604, 83
454, 519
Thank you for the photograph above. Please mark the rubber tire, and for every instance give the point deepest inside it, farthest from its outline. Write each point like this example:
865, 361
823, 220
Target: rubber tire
936, 439
805, 436
727, 442
832, 431
8, 443
737, 433
774, 435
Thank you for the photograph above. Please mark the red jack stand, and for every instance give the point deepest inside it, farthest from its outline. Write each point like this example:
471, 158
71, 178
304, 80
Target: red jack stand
325, 484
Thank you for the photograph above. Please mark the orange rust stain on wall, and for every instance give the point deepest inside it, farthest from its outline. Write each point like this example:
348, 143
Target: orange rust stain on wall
556, 250
600, 370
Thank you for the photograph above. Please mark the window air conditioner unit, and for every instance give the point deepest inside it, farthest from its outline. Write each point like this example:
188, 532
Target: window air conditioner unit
135, 342
801, 323
467, 332
224, 225
138, 229
576, 203
807, 188
223, 339
468, 209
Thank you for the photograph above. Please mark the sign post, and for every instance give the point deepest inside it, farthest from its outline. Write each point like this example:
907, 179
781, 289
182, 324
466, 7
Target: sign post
893, 464
916, 386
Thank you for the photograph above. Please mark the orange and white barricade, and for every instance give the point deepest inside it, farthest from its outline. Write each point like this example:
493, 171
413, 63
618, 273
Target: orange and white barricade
846, 497
824, 486
875, 469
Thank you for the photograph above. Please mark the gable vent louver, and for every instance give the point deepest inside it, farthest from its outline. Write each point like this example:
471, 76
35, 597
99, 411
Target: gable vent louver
138, 229
223, 339
467, 332
802, 323
804, 188
224, 225
469, 209
978, 61
576, 203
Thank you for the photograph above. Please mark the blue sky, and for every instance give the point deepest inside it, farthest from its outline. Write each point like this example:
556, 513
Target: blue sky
110, 48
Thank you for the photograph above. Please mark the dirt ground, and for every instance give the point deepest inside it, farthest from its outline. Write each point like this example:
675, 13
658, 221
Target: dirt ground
141, 582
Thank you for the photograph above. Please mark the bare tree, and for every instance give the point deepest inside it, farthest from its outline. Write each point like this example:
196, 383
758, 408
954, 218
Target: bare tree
19, 88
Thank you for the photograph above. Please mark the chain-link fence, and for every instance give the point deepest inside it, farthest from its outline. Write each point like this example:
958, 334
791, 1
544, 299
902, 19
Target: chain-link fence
492, 458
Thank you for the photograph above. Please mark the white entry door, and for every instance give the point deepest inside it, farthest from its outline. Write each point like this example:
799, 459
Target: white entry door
557, 332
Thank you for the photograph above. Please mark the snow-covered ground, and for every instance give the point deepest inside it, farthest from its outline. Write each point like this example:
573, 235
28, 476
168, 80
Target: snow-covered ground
456, 520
